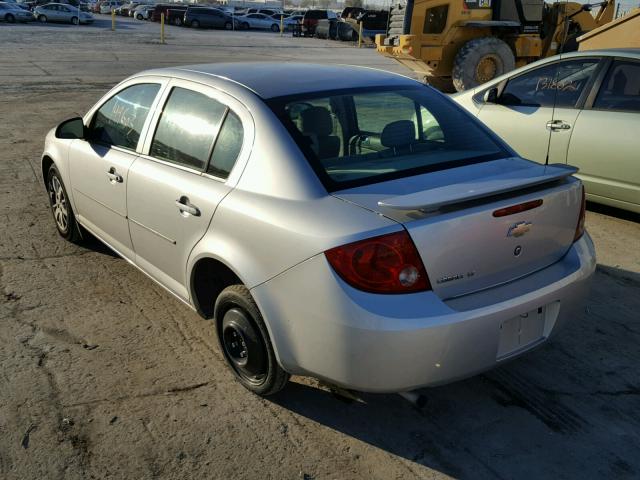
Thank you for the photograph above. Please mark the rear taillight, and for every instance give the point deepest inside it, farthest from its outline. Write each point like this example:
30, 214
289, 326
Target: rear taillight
581, 218
385, 264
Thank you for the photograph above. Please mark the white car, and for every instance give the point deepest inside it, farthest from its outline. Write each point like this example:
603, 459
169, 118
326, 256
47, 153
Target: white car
106, 7
258, 21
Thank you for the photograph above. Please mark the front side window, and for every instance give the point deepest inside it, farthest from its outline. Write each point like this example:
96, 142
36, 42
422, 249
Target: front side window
436, 19
621, 88
119, 121
360, 137
558, 84
188, 125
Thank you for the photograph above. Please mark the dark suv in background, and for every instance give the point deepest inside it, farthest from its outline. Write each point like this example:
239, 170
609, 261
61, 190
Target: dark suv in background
197, 17
310, 20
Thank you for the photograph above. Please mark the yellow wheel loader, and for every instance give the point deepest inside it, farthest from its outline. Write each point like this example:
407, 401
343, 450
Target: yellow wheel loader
459, 44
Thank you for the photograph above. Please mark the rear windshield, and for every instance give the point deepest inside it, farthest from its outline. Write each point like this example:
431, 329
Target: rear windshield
353, 138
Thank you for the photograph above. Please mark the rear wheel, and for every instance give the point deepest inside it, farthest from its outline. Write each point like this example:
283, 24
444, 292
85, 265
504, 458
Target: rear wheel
10, 18
74, 20
481, 60
195, 24
245, 342
228, 26
139, 16
63, 215
275, 28
245, 26
42, 19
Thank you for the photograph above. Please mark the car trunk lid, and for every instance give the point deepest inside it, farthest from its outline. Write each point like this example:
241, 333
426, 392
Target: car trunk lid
454, 217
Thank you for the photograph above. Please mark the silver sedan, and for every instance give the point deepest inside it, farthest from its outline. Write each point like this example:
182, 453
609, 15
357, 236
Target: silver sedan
59, 12
338, 222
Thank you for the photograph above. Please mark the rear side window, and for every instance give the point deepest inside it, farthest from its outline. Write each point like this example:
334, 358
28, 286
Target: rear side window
315, 14
559, 83
621, 88
436, 19
188, 125
227, 146
120, 119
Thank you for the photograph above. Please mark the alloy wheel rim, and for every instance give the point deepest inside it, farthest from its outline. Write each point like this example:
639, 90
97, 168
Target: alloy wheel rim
487, 68
59, 204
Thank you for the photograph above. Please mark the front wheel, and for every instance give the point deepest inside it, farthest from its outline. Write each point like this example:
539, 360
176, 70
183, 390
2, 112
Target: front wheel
139, 16
195, 24
245, 26
60, 208
74, 20
42, 19
275, 28
228, 26
10, 18
244, 340
480, 60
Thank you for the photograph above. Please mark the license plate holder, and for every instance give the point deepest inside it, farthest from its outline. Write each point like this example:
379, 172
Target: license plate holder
521, 332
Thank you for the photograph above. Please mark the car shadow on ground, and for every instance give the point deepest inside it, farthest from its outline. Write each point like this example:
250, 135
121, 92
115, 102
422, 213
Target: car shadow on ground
613, 212
569, 409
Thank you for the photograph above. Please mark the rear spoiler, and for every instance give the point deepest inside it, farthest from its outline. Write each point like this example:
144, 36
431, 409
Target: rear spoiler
436, 198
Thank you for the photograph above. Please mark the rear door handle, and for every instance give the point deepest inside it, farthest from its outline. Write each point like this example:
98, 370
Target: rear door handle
558, 125
114, 177
185, 207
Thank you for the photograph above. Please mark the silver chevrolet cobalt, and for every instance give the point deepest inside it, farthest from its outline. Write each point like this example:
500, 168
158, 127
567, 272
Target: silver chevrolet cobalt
343, 223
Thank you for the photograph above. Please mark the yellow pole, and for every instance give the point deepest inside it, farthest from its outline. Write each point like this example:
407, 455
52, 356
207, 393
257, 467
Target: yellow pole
162, 28
281, 24
359, 34
113, 20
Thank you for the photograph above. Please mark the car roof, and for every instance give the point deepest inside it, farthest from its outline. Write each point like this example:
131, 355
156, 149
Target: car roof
277, 79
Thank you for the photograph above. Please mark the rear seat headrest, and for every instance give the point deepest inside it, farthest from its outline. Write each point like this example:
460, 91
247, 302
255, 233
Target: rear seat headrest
316, 120
400, 133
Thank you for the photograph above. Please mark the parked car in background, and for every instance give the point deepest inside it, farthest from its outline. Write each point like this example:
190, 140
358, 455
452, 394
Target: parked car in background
143, 12
311, 17
59, 12
203, 17
126, 8
258, 21
265, 11
360, 227
106, 7
161, 8
175, 15
581, 108
292, 21
11, 13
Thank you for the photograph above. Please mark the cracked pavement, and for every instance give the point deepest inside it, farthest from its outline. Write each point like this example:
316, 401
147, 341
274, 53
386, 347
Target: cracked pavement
104, 374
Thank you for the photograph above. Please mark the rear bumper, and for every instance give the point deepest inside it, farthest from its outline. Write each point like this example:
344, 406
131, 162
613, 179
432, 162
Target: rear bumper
385, 343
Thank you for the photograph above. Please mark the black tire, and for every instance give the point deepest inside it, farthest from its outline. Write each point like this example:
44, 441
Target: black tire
63, 216
74, 20
42, 18
195, 24
444, 84
228, 26
481, 60
245, 26
275, 28
245, 344
139, 16
10, 18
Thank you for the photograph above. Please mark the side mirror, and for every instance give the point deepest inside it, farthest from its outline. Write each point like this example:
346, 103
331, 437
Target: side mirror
491, 95
72, 128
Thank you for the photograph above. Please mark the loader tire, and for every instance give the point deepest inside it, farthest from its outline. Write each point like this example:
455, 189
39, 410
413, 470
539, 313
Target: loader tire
481, 60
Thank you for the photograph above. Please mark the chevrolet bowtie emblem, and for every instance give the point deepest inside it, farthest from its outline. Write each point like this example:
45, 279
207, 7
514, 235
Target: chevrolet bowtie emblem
519, 229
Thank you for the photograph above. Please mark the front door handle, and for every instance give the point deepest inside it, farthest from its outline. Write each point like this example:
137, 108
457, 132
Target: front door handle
557, 125
185, 207
114, 177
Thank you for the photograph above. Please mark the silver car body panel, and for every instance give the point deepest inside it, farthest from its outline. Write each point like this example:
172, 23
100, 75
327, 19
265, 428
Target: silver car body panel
272, 219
